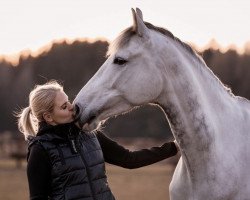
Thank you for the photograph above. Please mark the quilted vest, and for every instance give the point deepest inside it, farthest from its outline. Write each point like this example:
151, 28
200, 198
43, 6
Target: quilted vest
78, 168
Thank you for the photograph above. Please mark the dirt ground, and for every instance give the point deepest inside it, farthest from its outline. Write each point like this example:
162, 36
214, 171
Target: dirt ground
147, 183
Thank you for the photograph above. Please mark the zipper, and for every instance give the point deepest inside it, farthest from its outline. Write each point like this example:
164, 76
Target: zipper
72, 142
87, 169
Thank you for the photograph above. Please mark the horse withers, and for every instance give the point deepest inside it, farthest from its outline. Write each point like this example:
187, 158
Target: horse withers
149, 65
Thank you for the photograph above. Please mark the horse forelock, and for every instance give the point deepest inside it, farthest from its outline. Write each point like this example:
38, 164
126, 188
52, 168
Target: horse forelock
122, 40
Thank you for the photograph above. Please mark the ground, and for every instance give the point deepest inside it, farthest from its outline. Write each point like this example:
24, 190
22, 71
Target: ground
147, 183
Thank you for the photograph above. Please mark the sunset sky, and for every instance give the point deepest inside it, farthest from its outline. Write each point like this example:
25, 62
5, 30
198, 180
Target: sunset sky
33, 24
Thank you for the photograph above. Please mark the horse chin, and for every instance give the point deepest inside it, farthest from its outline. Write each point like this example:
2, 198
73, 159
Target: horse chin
89, 127
96, 121
93, 126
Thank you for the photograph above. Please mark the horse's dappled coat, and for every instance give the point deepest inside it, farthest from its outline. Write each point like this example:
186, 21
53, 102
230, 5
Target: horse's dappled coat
210, 124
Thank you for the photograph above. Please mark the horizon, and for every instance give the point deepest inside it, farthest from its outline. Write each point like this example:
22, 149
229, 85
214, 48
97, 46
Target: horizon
13, 59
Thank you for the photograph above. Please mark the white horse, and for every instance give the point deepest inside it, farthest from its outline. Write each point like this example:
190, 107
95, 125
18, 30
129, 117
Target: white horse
149, 65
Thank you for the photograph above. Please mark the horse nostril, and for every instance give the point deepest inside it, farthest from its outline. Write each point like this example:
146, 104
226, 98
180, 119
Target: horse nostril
76, 110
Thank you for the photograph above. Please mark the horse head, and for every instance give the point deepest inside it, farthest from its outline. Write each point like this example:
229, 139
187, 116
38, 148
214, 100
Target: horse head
130, 76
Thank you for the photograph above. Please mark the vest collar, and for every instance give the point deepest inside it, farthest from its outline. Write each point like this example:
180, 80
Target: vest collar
62, 131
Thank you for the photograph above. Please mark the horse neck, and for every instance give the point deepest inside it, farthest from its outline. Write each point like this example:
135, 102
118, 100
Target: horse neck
191, 99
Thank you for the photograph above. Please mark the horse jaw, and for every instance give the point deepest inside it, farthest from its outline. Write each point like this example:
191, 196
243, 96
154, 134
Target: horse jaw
96, 121
97, 104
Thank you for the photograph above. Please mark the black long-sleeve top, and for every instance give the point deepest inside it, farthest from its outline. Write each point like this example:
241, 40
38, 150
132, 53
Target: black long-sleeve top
39, 167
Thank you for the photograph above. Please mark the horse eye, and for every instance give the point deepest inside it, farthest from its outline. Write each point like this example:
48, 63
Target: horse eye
119, 61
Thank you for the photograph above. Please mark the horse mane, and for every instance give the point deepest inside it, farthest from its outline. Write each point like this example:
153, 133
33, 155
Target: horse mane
128, 33
125, 36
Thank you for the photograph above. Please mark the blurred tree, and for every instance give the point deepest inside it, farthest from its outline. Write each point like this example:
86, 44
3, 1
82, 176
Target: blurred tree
73, 64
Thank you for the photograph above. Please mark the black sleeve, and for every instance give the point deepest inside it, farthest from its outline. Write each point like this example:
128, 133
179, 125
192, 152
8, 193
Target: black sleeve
118, 155
38, 173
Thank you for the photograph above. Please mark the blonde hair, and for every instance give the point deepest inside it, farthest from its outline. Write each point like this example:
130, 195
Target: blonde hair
41, 100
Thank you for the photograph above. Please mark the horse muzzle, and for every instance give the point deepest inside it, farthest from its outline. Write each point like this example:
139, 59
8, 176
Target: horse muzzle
87, 121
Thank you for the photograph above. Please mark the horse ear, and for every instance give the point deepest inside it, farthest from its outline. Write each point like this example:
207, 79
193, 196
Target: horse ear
139, 13
138, 25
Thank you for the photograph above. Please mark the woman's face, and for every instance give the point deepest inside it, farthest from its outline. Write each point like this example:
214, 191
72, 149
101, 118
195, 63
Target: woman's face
63, 110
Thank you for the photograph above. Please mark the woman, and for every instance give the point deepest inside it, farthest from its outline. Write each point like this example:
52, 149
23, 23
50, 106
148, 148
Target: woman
63, 161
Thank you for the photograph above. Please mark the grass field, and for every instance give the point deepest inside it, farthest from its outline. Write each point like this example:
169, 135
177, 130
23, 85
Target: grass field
147, 183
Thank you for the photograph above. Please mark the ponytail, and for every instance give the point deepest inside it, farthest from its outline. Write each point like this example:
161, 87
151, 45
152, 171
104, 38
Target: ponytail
27, 123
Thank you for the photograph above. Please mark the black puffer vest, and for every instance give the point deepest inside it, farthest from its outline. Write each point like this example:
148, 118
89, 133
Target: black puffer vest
78, 169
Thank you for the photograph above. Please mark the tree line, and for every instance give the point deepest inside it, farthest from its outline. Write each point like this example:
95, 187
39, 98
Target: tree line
75, 63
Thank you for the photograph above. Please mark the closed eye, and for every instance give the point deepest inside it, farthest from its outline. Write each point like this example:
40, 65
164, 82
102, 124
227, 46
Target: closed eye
120, 61
65, 105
